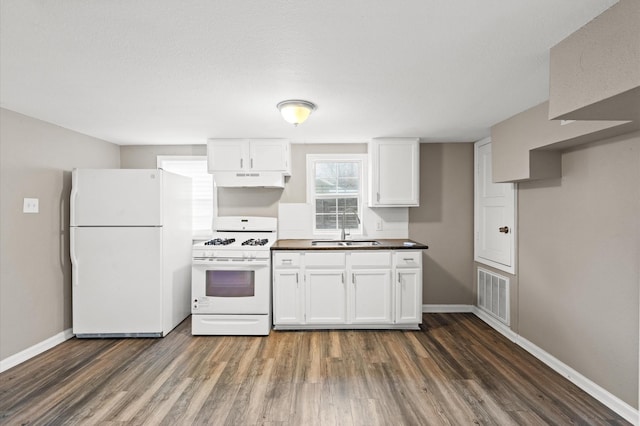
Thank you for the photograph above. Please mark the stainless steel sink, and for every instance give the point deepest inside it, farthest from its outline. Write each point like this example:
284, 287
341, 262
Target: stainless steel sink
345, 243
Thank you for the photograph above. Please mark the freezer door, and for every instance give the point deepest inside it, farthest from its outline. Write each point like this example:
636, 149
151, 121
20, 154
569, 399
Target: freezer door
116, 274
116, 197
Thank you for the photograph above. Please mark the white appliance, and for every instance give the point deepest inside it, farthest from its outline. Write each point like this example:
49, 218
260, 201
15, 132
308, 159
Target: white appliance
231, 278
130, 233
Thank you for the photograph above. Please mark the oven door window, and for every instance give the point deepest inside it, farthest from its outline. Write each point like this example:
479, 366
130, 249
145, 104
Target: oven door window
230, 284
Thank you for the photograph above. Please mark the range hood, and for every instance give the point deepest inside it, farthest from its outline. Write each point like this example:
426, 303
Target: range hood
249, 179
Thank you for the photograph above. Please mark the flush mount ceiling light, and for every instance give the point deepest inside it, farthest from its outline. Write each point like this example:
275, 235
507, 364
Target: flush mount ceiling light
296, 111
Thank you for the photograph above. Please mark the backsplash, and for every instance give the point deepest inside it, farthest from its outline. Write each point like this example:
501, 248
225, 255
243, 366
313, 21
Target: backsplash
295, 221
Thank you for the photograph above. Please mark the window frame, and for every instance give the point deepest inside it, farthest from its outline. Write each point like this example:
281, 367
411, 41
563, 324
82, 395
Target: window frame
312, 159
198, 234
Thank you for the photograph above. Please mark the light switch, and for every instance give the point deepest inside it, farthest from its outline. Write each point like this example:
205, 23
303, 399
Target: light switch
30, 205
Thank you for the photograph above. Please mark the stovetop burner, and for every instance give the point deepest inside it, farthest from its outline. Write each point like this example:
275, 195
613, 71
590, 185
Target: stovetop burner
255, 242
219, 242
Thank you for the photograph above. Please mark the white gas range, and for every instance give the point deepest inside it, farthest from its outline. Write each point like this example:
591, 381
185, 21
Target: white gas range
231, 278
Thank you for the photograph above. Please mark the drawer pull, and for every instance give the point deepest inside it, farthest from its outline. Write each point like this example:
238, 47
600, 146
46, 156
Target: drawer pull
408, 259
287, 261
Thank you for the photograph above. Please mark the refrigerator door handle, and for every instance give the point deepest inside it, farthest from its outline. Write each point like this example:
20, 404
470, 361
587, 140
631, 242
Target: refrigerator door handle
72, 254
72, 205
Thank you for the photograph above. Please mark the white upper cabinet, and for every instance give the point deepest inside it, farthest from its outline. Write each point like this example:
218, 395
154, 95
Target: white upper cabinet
270, 154
259, 155
394, 172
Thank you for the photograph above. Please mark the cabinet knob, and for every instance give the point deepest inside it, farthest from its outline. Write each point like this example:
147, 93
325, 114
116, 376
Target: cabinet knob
504, 229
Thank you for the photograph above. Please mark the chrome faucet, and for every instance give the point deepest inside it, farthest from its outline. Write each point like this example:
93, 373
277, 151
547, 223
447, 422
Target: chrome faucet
344, 234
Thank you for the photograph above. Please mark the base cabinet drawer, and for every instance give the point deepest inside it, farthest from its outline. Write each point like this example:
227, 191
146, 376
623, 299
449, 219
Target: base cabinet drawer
409, 259
286, 260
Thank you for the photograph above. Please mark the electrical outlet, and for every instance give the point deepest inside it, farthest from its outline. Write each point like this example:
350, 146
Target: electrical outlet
379, 225
30, 205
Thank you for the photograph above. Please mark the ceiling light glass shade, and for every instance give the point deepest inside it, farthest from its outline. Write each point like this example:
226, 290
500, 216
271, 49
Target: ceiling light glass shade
296, 111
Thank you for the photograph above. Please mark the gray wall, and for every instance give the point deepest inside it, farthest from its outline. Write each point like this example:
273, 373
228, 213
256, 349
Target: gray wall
579, 236
244, 201
579, 262
36, 159
444, 221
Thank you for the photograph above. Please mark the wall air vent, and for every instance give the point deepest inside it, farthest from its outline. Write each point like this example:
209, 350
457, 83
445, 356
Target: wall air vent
493, 295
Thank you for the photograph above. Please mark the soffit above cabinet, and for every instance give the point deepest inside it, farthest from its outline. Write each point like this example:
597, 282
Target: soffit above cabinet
528, 145
595, 72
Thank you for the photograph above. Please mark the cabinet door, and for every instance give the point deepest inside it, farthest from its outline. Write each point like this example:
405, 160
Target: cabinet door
325, 294
371, 296
269, 155
408, 296
287, 300
227, 155
394, 172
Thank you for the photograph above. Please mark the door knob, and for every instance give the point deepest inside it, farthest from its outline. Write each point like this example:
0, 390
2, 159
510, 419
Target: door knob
504, 229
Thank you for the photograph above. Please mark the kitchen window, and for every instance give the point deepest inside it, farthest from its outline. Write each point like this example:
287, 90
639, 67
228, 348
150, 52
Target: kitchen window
335, 188
203, 195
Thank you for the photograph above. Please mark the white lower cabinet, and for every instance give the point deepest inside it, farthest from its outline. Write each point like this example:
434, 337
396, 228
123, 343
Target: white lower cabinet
350, 289
408, 293
371, 296
325, 297
286, 297
408, 285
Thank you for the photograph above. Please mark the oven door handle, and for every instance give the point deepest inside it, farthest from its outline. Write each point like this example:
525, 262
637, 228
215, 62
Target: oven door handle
231, 263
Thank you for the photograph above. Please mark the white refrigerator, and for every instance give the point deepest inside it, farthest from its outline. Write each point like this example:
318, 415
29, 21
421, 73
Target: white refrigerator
131, 239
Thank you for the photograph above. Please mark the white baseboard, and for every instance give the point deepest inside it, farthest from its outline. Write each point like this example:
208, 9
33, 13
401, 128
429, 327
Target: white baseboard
34, 350
497, 325
623, 409
447, 309
607, 398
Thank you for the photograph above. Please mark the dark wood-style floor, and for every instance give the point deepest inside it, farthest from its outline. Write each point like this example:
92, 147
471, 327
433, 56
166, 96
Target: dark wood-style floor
456, 370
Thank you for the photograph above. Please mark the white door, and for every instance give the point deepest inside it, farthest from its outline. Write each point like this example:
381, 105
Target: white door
268, 155
494, 214
117, 283
116, 197
287, 303
227, 155
408, 296
325, 297
371, 296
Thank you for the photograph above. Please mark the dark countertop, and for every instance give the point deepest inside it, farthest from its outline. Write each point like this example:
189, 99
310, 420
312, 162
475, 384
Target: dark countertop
385, 244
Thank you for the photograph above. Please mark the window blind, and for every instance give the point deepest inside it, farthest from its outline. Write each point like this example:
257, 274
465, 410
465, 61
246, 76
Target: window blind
195, 167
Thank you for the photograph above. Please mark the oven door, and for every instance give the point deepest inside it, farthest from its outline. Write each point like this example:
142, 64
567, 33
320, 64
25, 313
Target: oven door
230, 286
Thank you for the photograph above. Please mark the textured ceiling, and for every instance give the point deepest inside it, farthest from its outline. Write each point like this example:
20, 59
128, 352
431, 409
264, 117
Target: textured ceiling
182, 71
